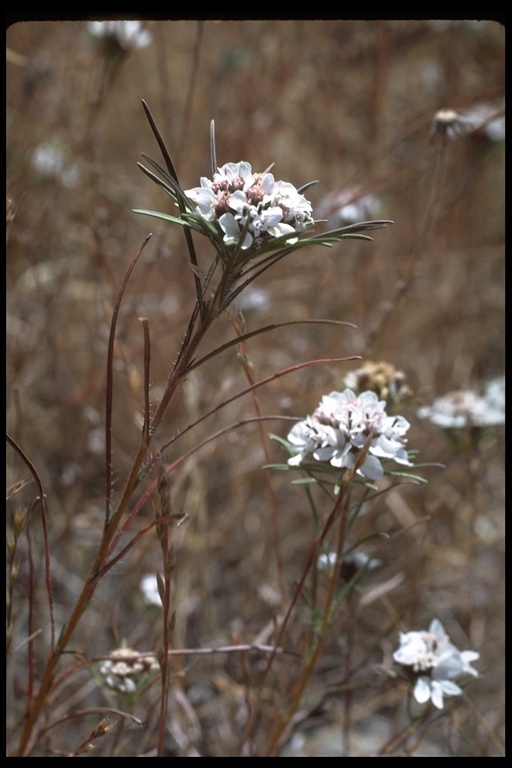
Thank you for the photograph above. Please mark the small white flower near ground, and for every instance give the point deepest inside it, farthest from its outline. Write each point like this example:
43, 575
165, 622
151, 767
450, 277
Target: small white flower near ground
434, 662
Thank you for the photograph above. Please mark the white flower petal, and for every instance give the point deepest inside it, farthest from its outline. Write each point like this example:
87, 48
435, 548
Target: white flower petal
436, 694
467, 657
422, 690
448, 687
371, 468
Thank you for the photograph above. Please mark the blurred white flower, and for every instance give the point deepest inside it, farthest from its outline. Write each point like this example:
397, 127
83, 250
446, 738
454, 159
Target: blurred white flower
352, 562
489, 119
366, 207
486, 119
128, 34
494, 396
149, 588
50, 162
465, 408
126, 670
254, 298
495, 130
349, 206
450, 124
253, 203
434, 662
340, 427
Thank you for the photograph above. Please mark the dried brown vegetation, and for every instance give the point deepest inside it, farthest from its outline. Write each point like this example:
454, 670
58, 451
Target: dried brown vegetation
352, 104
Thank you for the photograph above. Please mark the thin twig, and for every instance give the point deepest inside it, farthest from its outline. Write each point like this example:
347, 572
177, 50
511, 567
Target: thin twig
110, 385
147, 368
40, 501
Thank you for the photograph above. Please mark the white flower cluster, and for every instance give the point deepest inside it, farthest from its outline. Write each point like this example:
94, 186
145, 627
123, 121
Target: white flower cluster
435, 663
340, 427
254, 203
349, 206
465, 408
50, 162
128, 34
126, 670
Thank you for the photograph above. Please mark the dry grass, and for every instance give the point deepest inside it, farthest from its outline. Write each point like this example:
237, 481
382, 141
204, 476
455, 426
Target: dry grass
350, 104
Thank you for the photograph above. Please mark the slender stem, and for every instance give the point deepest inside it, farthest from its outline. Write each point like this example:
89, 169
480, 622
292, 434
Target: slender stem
192, 85
40, 501
90, 584
339, 511
180, 367
110, 383
341, 505
471, 456
238, 323
147, 369
313, 554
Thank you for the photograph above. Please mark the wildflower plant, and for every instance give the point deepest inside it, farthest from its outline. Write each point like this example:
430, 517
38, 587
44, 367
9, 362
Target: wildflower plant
252, 221
268, 620
348, 443
467, 417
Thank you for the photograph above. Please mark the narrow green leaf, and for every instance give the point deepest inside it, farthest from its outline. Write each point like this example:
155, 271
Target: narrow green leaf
166, 217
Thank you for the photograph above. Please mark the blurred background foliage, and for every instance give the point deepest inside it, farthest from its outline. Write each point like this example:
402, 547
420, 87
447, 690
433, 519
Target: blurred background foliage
352, 104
